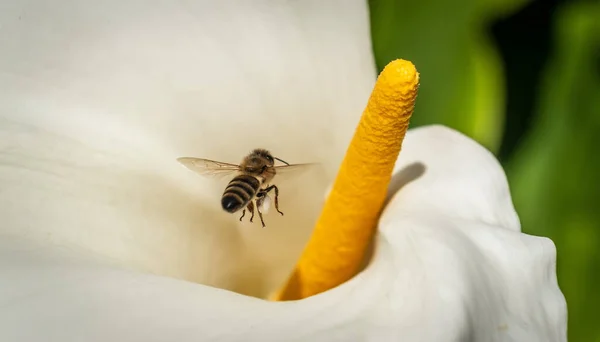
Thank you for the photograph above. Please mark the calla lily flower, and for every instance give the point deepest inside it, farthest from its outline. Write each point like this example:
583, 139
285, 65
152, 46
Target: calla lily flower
106, 238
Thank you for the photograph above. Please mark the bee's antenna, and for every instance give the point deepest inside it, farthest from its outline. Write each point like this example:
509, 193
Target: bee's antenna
286, 163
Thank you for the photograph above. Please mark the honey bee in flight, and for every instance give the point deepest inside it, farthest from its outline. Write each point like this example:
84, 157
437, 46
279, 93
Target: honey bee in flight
252, 184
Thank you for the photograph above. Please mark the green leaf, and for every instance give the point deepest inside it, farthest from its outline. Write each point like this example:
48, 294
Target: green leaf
555, 174
462, 84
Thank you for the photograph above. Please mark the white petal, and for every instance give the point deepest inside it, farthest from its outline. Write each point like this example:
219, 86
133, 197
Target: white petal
456, 177
462, 265
432, 278
98, 98
60, 296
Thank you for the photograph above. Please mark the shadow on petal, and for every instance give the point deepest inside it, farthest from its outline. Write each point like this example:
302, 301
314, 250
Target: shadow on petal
404, 176
407, 174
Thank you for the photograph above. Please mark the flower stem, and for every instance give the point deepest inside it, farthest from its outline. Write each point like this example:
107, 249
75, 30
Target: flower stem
349, 218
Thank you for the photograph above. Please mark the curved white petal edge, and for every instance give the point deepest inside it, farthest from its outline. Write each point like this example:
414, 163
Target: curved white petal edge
450, 265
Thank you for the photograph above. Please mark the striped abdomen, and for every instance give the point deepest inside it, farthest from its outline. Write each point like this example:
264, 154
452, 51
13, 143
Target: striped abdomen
239, 192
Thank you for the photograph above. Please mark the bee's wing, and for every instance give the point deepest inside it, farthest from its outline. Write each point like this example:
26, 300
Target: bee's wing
207, 167
292, 169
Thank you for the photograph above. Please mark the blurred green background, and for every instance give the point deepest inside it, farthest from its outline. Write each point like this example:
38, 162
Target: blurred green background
523, 78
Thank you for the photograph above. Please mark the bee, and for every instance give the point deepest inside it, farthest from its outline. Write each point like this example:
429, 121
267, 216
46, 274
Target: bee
251, 186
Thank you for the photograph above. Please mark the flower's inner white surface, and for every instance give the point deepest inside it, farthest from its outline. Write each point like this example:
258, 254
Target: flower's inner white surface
97, 101
435, 276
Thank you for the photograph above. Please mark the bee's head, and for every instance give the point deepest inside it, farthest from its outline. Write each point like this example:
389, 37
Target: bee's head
263, 155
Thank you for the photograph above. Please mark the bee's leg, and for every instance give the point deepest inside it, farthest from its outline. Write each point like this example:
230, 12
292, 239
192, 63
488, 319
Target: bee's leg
251, 208
243, 213
258, 210
274, 187
277, 199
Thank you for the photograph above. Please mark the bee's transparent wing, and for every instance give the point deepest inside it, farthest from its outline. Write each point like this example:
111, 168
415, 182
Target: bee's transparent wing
292, 169
207, 167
